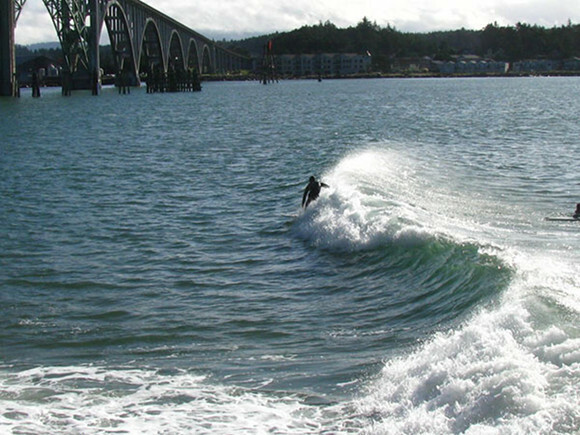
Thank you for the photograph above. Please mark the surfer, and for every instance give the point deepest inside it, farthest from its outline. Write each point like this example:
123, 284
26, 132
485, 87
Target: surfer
577, 212
312, 191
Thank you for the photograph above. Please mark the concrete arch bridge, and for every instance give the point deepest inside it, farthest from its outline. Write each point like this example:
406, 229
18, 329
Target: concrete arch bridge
142, 38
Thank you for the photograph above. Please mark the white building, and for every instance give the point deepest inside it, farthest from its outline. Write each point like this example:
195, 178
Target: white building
327, 64
472, 65
536, 65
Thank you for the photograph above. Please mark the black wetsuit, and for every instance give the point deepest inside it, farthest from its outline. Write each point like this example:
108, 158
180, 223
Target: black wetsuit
312, 192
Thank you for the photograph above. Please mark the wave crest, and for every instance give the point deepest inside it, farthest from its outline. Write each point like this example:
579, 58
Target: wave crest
363, 208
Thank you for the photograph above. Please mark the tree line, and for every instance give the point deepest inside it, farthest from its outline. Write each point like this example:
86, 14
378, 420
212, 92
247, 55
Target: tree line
502, 43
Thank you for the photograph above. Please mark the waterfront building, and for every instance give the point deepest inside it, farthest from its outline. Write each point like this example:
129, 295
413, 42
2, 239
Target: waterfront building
325, 64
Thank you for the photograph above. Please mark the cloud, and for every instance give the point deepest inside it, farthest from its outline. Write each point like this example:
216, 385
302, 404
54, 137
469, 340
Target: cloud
248, 16
545, 13
34, 24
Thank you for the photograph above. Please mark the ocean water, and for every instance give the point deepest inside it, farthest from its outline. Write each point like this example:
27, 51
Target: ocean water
158, 276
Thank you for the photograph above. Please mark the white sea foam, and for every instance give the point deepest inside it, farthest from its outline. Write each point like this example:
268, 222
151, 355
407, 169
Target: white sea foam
363, 208
91, 400
496, 374
511, 368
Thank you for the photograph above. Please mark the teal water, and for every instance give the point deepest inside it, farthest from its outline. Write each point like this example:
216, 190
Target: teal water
157, 274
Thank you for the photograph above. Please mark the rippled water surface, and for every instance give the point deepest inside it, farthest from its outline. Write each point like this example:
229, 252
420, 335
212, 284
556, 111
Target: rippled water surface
157, 273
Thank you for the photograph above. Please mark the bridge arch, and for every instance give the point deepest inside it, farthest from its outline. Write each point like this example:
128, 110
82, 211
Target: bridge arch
192, 56
175, 59
151, 50
121, 43
206, 64
140, 36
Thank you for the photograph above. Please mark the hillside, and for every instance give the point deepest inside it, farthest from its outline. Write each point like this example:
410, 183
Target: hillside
504, 43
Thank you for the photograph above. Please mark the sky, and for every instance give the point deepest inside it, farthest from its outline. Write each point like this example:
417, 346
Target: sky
236, 19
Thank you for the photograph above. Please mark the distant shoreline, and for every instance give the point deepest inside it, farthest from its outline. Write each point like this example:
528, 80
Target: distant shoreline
54, 82
253, 77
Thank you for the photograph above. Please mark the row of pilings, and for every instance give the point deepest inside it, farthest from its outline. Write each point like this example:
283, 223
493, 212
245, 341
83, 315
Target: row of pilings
156, 81
174, 80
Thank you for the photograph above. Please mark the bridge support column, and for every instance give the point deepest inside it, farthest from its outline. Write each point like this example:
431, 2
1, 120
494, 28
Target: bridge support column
94, 55
8, 82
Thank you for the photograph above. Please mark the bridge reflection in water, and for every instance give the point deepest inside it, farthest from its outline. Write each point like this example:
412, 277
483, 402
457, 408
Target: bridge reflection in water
143, 41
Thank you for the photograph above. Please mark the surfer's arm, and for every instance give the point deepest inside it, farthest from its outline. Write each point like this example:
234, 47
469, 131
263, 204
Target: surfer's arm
324, 185
305, 195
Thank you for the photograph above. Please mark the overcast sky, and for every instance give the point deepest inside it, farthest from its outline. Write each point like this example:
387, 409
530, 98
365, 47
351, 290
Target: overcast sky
233, 19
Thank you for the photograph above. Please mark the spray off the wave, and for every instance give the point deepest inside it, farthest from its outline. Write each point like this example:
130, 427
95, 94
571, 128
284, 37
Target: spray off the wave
507, 367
